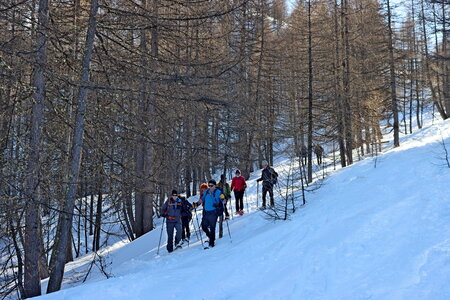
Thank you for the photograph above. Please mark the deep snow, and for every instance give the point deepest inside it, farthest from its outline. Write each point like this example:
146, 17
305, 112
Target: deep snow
379, 229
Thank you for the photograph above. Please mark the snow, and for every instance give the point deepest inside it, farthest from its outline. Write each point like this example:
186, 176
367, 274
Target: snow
379, 229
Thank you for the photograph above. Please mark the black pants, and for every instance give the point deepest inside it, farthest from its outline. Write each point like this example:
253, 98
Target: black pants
319, 159
209, 222
171, 225
267, 188
239, 195
225, 209
185, 232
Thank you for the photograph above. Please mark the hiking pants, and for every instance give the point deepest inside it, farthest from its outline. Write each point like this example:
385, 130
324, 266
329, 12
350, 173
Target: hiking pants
225, 209
266, 189
171, 225
209, 222
239, 195
185, 232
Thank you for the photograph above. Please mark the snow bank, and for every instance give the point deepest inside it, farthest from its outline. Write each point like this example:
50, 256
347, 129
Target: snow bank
379, 229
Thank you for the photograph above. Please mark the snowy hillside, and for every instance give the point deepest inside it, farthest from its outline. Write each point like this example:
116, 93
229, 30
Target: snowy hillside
379, 229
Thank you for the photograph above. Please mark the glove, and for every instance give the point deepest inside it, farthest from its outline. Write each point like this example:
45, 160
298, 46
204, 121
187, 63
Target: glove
216, 205
258, 180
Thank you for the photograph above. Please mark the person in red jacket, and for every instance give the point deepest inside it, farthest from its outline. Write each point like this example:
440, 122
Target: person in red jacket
238, 185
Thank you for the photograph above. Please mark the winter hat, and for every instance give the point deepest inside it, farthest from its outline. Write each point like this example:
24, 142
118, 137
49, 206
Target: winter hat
174, 192
212, 181
265, 163
238, 171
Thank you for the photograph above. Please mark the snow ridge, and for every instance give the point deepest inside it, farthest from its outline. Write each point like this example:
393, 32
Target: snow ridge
379, 229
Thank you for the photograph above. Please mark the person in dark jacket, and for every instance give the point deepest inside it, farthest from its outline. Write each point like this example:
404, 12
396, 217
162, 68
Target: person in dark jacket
171, 210
318, 150
304, 154
238, 185
224, 187
186, 216
269, 179
212, 208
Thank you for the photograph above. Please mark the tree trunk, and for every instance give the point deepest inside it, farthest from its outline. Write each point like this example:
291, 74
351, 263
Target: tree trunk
338, 90
310, 95
434, 95
392, 79
57, 261
347, 111
43, 265
445, 59
91, 214
32, 282
98, 221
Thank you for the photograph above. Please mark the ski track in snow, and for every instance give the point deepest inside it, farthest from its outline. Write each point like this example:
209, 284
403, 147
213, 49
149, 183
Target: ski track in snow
368, 233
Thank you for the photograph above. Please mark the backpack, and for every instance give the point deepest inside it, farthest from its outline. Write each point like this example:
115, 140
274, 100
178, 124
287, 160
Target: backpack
225, 189
274, 177
220, 209
186, 209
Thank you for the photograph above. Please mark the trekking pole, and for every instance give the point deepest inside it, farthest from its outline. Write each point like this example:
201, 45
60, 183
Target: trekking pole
231, 208
196, 216
160, 236
257, 194
246, 201
195, 230
229, 233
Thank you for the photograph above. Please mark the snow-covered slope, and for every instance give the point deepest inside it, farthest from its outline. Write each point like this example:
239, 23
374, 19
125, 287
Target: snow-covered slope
379, 229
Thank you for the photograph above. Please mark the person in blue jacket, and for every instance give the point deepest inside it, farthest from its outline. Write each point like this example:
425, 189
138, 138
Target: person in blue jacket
212, 208
171, 210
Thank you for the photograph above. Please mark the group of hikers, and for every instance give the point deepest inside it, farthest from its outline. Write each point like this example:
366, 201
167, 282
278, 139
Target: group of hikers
214, 198
318, 150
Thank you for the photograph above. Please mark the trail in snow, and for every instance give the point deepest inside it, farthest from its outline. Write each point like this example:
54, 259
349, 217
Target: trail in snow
368, 233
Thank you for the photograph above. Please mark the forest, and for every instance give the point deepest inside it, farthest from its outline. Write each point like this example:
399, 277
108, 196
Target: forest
108, 105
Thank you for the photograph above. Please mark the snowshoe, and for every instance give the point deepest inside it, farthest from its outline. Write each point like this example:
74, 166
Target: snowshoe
206, 245
179, 245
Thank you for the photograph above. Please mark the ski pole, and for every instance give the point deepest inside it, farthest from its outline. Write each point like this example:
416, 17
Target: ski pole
257, 194
160, 236
246, 201
231, 207
195, 230
196, 216
229, 233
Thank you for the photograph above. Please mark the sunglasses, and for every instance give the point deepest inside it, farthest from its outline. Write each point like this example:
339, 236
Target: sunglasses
210, 185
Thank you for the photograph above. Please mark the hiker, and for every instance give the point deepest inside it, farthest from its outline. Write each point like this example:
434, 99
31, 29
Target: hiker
171, 210
318, 150
238, 185
203, 188
269, 178
304, 154
224, 187
212, 208
186, 216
